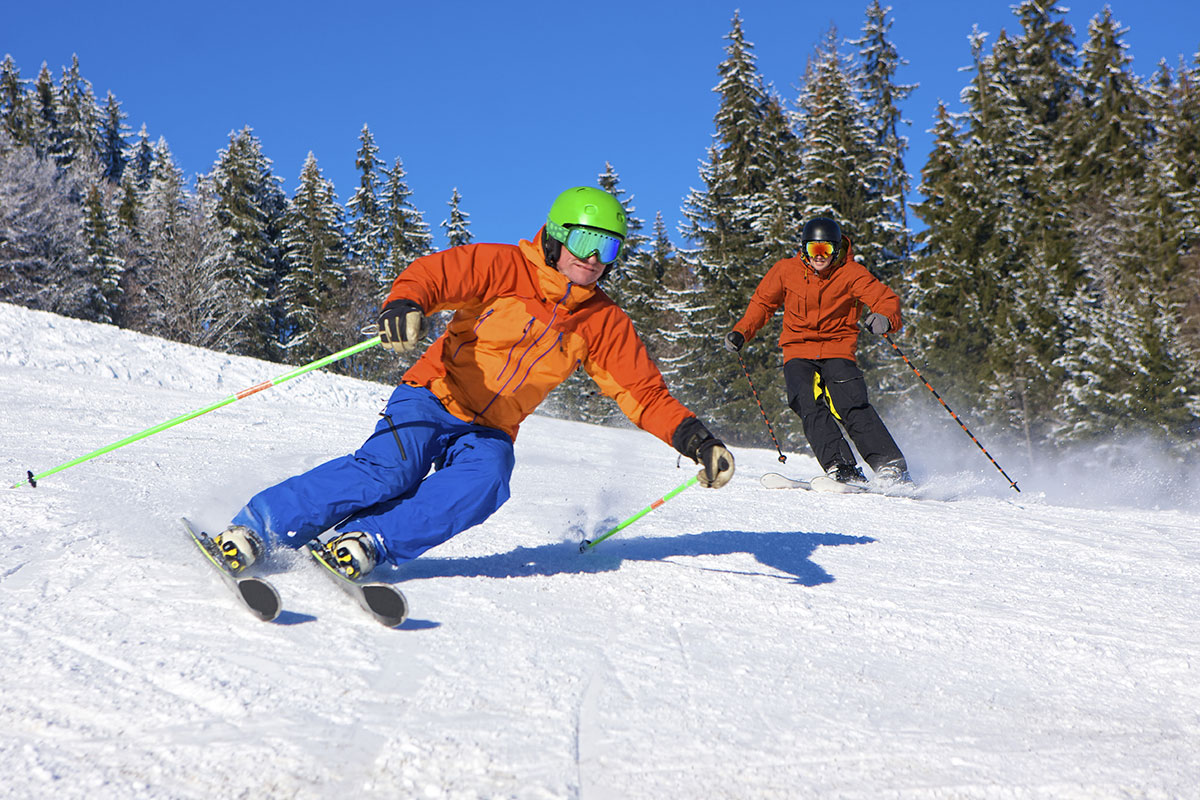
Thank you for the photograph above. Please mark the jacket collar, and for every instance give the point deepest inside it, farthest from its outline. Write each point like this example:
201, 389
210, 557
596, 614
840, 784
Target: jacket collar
553, 283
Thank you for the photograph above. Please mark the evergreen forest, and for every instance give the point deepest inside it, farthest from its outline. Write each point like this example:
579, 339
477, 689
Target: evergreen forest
1049, 268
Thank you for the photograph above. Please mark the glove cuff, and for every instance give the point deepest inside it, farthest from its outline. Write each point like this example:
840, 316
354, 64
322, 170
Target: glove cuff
690, 437
401, 304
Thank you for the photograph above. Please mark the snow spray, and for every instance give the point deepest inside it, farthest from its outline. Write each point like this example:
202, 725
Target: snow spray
588, 544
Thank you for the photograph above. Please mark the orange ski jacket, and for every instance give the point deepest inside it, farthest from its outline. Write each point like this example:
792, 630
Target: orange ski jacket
820, 312
520, 328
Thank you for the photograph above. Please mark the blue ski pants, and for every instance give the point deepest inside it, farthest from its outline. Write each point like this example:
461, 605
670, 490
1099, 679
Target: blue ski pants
385, 488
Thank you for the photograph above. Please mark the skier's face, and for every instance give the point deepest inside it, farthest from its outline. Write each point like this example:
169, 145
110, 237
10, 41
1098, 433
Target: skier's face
583, 272
820, 263
819, 254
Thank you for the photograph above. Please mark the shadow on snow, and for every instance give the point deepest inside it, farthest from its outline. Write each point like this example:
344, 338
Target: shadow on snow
785, 551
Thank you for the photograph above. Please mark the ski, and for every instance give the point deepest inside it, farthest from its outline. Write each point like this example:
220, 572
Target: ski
383, 601
255, 593
821, 483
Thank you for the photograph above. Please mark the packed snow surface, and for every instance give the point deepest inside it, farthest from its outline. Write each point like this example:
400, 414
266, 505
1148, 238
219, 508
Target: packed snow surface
739, 643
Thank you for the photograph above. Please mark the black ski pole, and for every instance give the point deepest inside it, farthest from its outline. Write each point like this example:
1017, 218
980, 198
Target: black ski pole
763, 411
913, 367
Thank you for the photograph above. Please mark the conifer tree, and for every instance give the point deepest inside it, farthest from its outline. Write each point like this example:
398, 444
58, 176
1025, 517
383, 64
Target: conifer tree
140, 160
79, 117
1175, 161
135, 180
249, 209
1035, 82
1023, 260
152, 246
15, 106
112, 146
46, 131
962, 288
314, 251
368, 240
1180, 154
631, 251
682, 301
457, 225
729, 256
407, 232
1168, 245
881, 96
1122, 316
663, 280
776, 212
950, 292
100, 248
840, 168
1107, 131
1125, 369
642, 284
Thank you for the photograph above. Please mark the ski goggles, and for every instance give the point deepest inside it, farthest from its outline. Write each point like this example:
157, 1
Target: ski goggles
819, 249
583, 242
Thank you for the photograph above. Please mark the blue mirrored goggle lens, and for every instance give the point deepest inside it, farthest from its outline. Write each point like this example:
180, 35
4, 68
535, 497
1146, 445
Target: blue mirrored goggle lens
582, 242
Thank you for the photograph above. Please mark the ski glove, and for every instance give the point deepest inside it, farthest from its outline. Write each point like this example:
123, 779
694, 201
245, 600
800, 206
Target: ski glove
876, 323
400, 325
734, 341
693, 440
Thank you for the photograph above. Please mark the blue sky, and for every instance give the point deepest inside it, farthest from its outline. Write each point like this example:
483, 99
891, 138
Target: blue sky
510, 102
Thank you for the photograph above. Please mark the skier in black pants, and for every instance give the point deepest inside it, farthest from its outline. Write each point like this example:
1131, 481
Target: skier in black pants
823, 291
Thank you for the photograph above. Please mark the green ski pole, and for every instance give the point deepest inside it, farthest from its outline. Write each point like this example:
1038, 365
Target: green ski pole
588, 544
32, 479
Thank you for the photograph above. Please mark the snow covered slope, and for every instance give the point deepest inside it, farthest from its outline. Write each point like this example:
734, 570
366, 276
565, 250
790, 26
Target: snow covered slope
741, 643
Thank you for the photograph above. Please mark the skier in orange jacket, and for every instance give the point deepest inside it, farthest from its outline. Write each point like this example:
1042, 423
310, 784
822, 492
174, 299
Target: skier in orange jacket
526, 316
822, 290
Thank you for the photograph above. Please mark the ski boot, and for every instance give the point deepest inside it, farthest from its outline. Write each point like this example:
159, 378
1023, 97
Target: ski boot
239, 547
846, 473
893, 473
353, 554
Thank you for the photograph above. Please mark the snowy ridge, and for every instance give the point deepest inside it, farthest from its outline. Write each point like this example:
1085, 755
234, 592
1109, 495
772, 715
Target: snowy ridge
742, 643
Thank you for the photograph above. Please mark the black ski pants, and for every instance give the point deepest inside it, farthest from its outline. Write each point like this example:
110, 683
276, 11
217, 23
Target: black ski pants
846, 389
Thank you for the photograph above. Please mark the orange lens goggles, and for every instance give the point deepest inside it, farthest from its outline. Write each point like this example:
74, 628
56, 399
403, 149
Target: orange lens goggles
819, 249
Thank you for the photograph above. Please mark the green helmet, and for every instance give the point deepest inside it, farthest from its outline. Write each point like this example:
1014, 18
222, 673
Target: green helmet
585, 205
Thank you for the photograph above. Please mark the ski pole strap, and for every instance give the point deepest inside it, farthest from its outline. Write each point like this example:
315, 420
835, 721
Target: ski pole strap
761, 410
966, 430
588, 544
321, 362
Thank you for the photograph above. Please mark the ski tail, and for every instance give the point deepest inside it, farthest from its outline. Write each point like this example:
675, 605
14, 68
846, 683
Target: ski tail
255, 593
383, 601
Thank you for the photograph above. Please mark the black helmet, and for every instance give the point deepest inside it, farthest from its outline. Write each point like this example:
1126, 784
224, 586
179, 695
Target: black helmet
825, 231
822, 229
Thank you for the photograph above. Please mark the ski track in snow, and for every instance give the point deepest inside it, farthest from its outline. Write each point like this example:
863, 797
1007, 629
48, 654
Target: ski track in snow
745, 643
